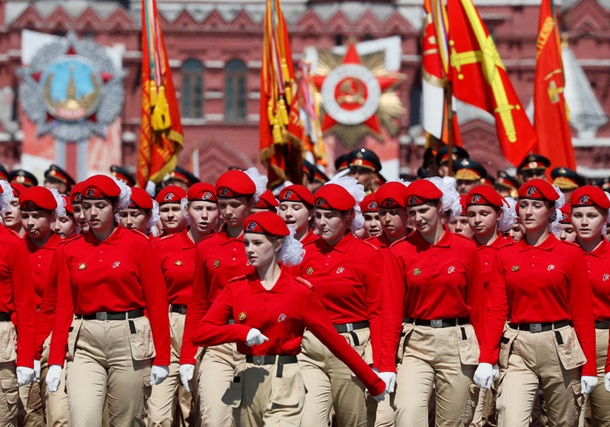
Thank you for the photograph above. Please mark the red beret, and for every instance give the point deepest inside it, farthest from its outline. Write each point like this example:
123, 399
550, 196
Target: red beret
392, 195
266, 223
34, 198
538, 189
590, 195
140, 199
463, 204
68, 202
296, 193
76, 195
100, 187
170, 194
334, 196
267, 201
566, 217
234, 183
369, 203
484, 195
422, 191
17, 188
202, 191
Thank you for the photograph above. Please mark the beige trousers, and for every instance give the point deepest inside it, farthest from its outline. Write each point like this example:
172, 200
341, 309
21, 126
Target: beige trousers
269, 400
485, 412
330, 383
9, 397
220, 385
442, 361
104, 370
600, 398
530, 361
380, 414
164, 397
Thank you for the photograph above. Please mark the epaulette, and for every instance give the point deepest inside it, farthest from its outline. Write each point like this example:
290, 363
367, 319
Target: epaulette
304, 282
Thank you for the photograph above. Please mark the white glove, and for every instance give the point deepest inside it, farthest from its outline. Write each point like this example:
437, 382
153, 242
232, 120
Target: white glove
607, 381
37, 371
389, 378
496, 372
587, 384
186, 374
24, 375
53, 378
484, 375
158, 374
255, 337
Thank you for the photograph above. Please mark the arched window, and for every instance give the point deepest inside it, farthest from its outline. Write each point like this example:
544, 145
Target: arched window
235, 91
192, 89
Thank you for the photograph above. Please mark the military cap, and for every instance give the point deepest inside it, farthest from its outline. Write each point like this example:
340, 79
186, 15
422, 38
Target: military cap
468, 170
442, 156
364, 158
534, 161
506, 181
341, 163
24, 177
319, 176
57, 174
182, 175
3, 173
308, 169
122, 174
567, 179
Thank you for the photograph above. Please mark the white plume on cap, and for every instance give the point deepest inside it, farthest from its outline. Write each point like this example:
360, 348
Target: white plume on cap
154, 215
260, 181
60, 210
6, 197
291, 252
554, 227
125, 195
184, 208
509, 214
450, 199
353, 187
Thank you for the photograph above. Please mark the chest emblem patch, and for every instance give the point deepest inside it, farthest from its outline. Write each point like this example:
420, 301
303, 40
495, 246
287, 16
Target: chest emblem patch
340, 270
82, 266
514, 268
309, 270
451, 269
550, 267
116, 264
281, 318
241, 316
606, 277
217, 263
416, 272
178, 262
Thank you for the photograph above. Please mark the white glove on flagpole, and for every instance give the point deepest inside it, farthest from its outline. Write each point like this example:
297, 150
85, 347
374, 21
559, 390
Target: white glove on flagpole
186, 374
587, 384
25, 375
484, 375
255, 337
389, 378
158, 374
53, 378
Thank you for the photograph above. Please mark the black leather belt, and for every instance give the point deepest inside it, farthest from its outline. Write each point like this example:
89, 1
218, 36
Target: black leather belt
5, 317
539, 327
270, 360
176, 308
108, 315
439, 323
349, 327
604, 324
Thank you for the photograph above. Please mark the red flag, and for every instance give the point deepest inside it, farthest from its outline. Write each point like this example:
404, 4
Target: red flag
281, 131
161, 135
550, 115
480, 78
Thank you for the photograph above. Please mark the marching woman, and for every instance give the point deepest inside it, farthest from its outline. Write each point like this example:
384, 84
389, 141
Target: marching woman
65, 226
11, 216
296, 209
76, 198
589, 215
17, 316
540, 284
219, 258
346, 274
433, 313
391, 204
270, 310
173, 219
176, 254
141, 214
111, 321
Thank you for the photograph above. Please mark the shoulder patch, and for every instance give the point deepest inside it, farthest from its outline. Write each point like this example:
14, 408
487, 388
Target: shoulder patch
304, 282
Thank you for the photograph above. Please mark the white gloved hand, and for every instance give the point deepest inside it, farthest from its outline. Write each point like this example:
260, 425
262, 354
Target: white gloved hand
186, 374
389, 378
24, 375
255, 337
607, 381
53, 378
484, 375
587, 384
380, 397
158, 374
496, 372
37, 371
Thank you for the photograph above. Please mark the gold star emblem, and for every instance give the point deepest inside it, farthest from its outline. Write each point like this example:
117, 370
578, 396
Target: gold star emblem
241, 316
309, 270
514, 268
82, 266
178, 263
416, 272
216, 263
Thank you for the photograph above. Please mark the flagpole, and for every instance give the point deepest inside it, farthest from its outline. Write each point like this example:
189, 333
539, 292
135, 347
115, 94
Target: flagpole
448, 101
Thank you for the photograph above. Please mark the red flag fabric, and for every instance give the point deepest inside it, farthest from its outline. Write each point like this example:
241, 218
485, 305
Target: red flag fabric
479, 78
550, 115
161, 137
